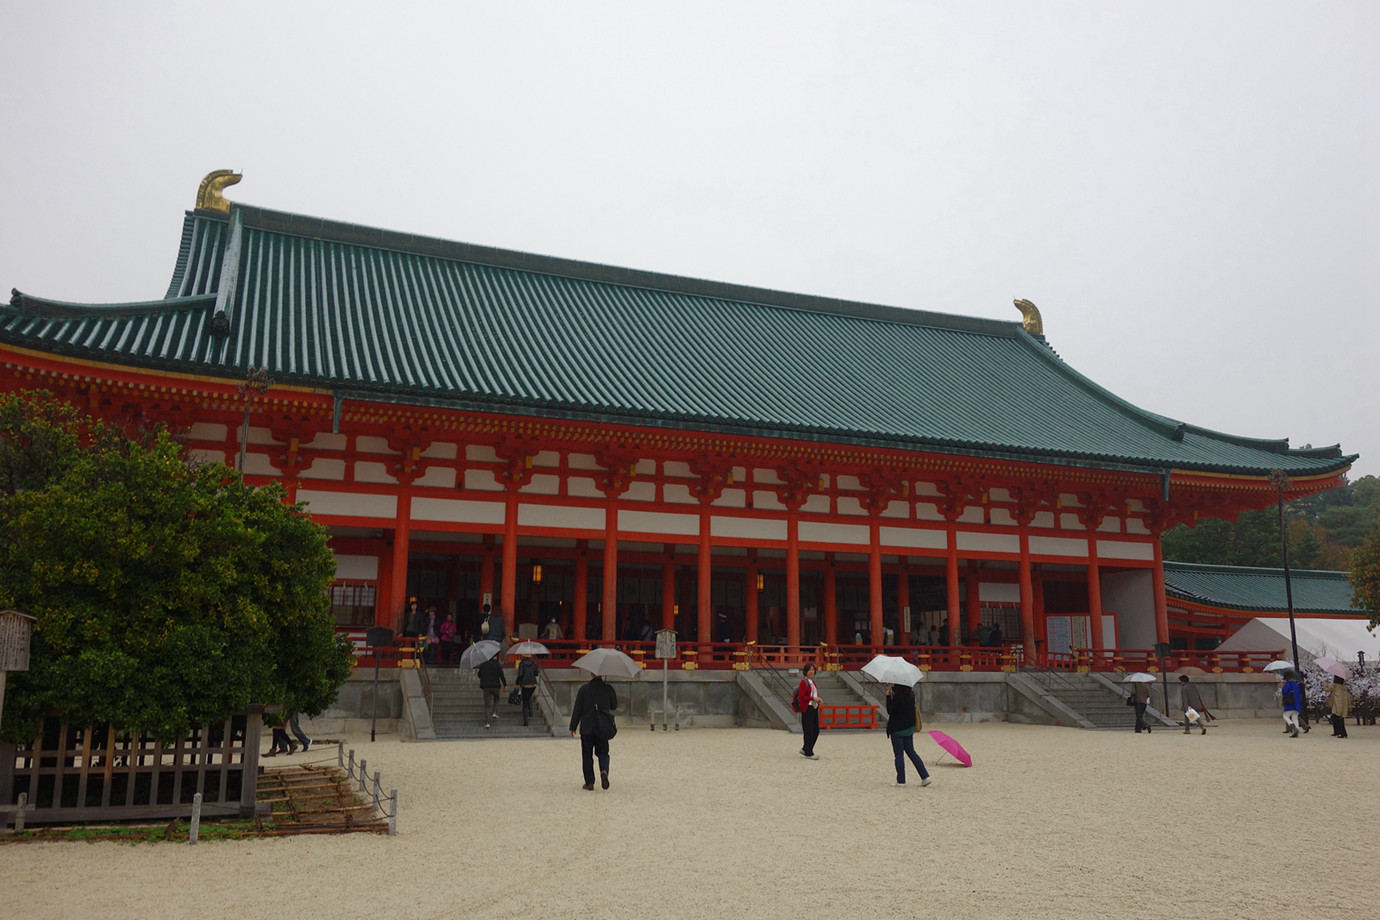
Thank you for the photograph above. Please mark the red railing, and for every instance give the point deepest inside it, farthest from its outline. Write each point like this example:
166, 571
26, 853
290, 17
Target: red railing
731, 655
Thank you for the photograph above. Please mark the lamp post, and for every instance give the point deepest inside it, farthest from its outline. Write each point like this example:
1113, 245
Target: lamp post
1281, 482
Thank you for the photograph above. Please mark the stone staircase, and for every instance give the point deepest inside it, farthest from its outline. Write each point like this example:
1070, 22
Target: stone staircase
834, 689
1098, 700
457, 708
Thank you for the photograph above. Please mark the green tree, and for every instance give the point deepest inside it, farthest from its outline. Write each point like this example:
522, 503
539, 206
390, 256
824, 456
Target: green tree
167, 593
1365, 575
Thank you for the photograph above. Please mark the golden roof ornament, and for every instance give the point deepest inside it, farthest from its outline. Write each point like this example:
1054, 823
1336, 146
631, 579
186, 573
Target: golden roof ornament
1030, 317
208, 197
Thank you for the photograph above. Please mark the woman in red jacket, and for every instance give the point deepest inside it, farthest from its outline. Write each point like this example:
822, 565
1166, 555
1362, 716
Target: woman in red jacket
807, 701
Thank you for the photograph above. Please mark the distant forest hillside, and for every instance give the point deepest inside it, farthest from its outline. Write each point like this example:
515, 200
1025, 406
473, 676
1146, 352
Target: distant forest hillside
1324, 530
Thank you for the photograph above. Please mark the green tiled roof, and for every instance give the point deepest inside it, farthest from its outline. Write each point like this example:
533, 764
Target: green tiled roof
382, 315
1259, 590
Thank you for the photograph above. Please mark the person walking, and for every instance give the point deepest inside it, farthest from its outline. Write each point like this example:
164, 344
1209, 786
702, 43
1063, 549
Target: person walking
901, 722
1140, 692
1291, 698
593, 695
492, 680
807, 704
447, 632
296, 726
1339, 703
527, 683
1192, 703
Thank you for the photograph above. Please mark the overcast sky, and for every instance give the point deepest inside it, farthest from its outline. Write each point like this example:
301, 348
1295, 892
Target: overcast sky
1187, 190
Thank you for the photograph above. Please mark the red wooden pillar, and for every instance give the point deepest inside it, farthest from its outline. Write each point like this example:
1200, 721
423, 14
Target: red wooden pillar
609, 620
974, 601
1161, 606
902, 602
704, 587
486, 570
831, 601
508, 596
1027, 599
793, 579
1094, 596
402, 535
384, 614
951, 581
579, 623
750, 598
874, 580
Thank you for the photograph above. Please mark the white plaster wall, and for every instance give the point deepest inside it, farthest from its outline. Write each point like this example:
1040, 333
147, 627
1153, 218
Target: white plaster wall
1116, 549
988, 543
852, 534
914, 538
1131, 596
682, 525
747, 528
457, 510
353, 504
999, 592
561, 516
1058, 546
358, 567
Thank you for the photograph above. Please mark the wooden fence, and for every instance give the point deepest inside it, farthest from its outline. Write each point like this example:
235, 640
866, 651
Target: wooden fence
96, 773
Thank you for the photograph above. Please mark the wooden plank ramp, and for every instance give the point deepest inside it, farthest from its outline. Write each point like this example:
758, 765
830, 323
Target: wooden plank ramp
316, 798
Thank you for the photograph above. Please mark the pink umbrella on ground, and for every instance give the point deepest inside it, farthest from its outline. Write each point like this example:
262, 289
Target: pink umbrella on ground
951, 746
1333, 667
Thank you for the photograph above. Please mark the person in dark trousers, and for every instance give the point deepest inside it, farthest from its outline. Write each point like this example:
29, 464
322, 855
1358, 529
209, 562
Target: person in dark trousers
595, 694
1141, 694
296, 726
807, 702
492, 680
527, 683
1339, 704
901, 720
1191, 702
414, 620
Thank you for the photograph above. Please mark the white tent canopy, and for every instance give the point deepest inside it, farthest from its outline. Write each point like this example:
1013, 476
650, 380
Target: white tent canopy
1339, 638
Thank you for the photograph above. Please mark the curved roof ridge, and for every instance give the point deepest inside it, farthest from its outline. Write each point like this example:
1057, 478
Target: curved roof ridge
598, 272
29, 305
1205, 567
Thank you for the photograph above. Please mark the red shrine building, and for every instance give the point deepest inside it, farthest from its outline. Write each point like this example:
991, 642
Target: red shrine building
624, 451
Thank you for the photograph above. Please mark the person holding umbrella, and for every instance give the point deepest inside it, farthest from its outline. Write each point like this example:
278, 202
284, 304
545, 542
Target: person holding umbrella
901, 720
492, 680
1140, 694
1339, 702
1291, 697
595, 694
527, 683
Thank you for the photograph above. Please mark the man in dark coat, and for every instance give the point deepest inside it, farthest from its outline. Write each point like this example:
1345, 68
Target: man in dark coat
595, 694
492, 680
1191, 701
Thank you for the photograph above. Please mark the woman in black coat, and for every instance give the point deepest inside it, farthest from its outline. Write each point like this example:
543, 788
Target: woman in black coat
900, 728
597, 694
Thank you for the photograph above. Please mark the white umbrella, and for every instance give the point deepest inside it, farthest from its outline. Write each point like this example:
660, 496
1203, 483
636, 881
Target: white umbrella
608, 662
1334, 667
478, 653
892, 669
528, 647
1279, 665
1140, 677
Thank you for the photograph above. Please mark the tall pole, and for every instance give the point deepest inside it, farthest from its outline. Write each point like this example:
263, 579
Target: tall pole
256, 384
1281, 482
